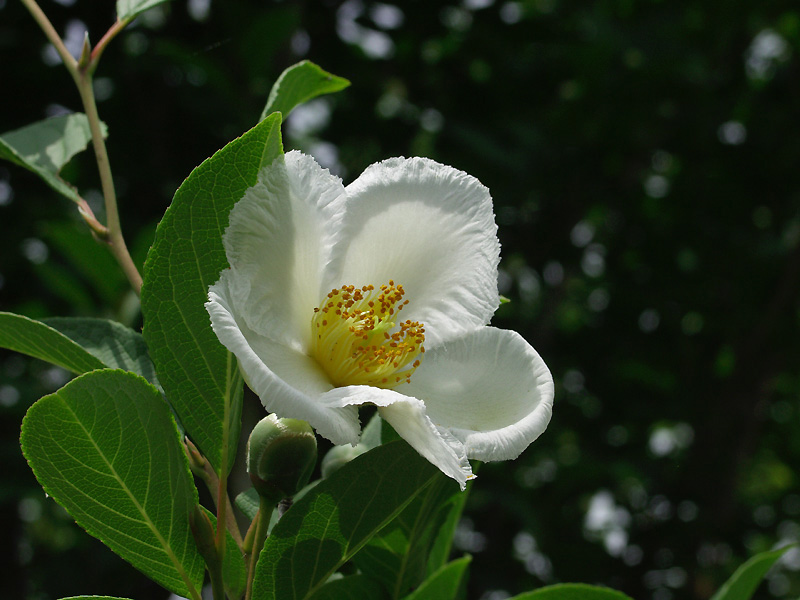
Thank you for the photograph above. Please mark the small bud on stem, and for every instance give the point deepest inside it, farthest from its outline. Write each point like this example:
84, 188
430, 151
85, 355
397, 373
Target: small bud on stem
281, 454
204, 533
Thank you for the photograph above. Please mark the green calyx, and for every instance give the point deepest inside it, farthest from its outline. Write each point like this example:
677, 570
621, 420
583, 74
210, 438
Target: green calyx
281, 455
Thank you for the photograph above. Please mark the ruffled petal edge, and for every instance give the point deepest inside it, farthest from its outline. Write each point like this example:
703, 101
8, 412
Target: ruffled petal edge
408, 417
490, 389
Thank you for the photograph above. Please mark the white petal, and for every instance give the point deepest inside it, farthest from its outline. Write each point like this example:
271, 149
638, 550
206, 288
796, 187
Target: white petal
430, 228
292, 385
278, 243
436, 444
407, 416
489, 388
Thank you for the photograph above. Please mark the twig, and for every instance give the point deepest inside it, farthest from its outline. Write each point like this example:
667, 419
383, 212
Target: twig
203, 469
82, 75
115, 239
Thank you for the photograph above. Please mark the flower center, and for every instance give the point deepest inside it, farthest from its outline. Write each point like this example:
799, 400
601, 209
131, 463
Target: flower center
357, 340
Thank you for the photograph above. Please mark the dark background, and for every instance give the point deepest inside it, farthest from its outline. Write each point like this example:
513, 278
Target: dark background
643, 157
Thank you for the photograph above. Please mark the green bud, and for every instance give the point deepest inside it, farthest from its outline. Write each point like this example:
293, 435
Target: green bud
197, 461
339, 456
86, 52
203, 532
281, 454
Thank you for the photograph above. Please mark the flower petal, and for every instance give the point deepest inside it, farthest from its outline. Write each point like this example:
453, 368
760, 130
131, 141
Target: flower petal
292, 383
430, 228
278, 243
489, 388
407, 416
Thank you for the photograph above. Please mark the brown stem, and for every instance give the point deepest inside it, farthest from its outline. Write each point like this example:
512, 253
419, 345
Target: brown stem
83, 80
115, 239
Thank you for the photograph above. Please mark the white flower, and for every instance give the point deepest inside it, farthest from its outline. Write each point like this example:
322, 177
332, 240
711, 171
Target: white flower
379, 293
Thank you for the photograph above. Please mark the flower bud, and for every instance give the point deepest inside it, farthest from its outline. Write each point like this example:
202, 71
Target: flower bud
339, 456
281, 454
203, 531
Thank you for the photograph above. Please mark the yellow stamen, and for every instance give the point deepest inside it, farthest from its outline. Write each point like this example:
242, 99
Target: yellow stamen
357, 340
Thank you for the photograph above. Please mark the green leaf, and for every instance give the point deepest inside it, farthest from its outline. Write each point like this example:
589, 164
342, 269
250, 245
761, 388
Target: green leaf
201, 378
106, 448
746, 579
46, 146
352, 587
449, 518
94, 598
336, 518
234, 571
36, 339
116, 346
248, 503
572, 591
444, 584
79, 345
443, 542
398, 555
300, 83
128, 9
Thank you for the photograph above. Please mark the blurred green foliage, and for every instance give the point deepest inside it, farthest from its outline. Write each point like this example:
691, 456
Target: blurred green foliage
644, 166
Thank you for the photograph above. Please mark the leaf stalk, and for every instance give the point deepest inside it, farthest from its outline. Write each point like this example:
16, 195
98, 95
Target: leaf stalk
203, 469
222, 513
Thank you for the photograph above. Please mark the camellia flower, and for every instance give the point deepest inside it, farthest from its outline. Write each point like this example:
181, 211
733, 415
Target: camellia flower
379, 293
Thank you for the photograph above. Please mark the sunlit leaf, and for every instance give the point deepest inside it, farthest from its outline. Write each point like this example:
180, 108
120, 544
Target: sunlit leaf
116, 346
333, 521
300, 83
94, 598
572, 591
200, 377
78, 344
46, 146
106, 448
128, 9
39, 340
744, 582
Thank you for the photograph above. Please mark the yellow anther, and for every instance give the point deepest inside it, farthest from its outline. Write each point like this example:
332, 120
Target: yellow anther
355, 341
